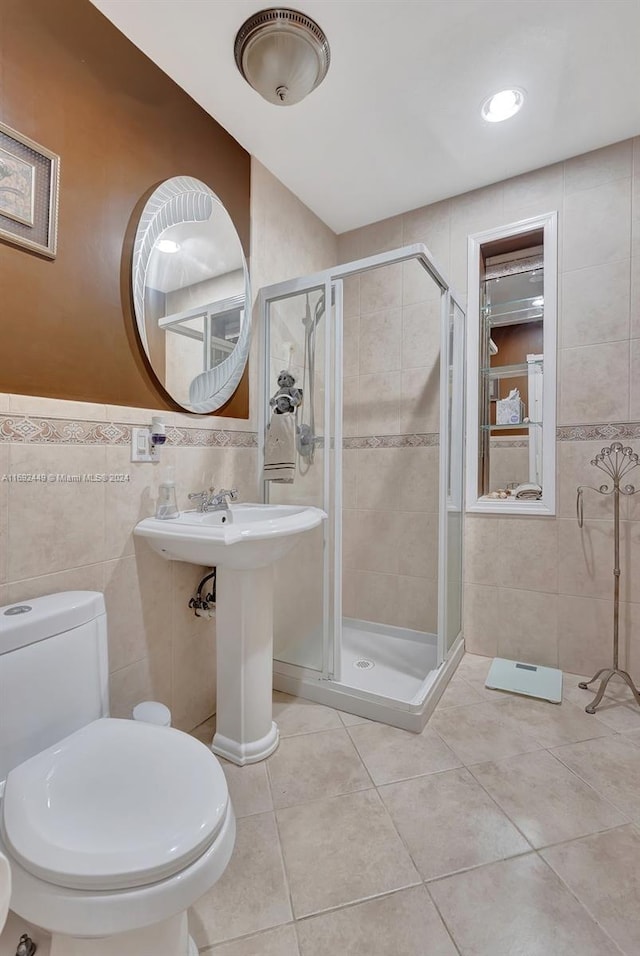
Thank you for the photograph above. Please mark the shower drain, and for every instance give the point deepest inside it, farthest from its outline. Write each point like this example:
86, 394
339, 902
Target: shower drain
363, 664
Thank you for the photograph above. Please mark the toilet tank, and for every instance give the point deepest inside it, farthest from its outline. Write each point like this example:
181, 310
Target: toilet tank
54, 671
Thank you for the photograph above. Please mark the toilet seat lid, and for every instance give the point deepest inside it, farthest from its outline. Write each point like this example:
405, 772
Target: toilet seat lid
117, 804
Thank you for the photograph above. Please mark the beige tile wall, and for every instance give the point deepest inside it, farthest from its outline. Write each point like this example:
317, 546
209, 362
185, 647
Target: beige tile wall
390, 536
391, 387
56, 536
539, 588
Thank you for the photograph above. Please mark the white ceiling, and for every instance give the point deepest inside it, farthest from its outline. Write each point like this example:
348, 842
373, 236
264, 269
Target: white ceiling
396, 123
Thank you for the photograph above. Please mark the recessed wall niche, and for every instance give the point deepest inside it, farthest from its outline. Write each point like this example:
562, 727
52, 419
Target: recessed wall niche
512, 368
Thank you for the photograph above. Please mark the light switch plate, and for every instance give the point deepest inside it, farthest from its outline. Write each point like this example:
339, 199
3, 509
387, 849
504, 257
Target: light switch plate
141, 446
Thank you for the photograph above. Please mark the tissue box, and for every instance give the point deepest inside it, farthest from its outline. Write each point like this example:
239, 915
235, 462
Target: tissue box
509, 411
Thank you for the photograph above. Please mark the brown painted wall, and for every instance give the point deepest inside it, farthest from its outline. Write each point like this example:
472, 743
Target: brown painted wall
72, 82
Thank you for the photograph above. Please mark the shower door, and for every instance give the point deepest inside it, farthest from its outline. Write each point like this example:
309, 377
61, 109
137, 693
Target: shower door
302, 334
451, 476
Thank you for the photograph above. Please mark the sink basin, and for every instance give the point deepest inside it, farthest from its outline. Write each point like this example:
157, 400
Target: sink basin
241, 537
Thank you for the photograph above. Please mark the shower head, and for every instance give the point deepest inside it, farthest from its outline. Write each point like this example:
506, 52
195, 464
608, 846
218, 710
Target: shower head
311, 321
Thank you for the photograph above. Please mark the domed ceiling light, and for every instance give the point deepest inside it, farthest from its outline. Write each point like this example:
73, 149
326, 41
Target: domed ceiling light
282, 54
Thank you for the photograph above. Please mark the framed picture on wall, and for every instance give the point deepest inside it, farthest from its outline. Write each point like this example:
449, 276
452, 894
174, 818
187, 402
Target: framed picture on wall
29, 184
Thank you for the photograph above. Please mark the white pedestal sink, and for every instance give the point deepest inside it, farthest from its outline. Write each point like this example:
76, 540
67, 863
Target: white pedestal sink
242, 543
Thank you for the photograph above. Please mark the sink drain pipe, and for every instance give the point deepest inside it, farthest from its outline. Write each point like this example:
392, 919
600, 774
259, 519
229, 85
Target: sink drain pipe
26, 946
205, 605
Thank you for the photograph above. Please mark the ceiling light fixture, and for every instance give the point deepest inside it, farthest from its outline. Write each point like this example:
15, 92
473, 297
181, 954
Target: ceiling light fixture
282, 54
167, 245
502, 106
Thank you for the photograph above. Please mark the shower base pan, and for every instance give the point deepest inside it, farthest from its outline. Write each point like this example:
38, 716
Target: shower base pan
389, 674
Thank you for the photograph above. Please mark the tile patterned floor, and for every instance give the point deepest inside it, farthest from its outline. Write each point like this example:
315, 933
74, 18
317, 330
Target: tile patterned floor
509, 826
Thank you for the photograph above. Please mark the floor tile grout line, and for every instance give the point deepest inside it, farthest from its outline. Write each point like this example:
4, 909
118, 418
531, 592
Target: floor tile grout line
581, 904
602, 796
545, 745
478, 866
361, 759
364, 763
326, 796
532, 852
386, 811
377, 898
210, 950
418, 776
506, 813
501, 809
285, 872
475, 762
444, 922
314, 799
583, 836
308, 733
584, 780
363, 899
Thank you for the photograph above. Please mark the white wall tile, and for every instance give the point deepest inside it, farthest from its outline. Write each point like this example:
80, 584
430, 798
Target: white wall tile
381, 289
56, 524
634, 396
379, 398
380, 342
528, 554
528, 628
482, 620
595, 305
598, 167
421, 334
594, 384
419, 409
431, 226
533, 194
597, 225
635, 294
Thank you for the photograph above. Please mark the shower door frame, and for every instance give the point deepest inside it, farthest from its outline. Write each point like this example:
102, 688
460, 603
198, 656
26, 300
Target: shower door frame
331, 281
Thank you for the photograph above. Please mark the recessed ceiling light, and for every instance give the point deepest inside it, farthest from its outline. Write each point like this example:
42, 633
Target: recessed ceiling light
502, 106
167, 245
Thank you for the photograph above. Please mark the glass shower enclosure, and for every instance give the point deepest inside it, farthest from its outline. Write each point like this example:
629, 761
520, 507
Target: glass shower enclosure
368, 607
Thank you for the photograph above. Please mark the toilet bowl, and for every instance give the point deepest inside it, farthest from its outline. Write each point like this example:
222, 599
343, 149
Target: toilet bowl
113, 829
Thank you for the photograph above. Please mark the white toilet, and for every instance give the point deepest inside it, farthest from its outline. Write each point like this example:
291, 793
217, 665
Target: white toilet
112, 828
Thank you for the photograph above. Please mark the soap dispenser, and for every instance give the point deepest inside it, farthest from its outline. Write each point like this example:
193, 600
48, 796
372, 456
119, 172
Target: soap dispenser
167, 506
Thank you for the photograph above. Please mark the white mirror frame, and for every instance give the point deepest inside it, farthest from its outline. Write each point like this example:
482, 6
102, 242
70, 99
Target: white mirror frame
177, 200
547, 504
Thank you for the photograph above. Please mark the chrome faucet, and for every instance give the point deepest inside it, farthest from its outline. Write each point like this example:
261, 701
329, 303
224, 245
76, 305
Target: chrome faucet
212, 501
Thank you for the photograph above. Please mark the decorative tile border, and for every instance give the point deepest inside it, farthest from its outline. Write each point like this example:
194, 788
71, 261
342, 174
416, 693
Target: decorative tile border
623, 430
62, 431
211, 437
502, 443
392, 441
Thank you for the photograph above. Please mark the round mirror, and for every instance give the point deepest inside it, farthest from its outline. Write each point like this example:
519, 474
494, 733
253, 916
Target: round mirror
191, 294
